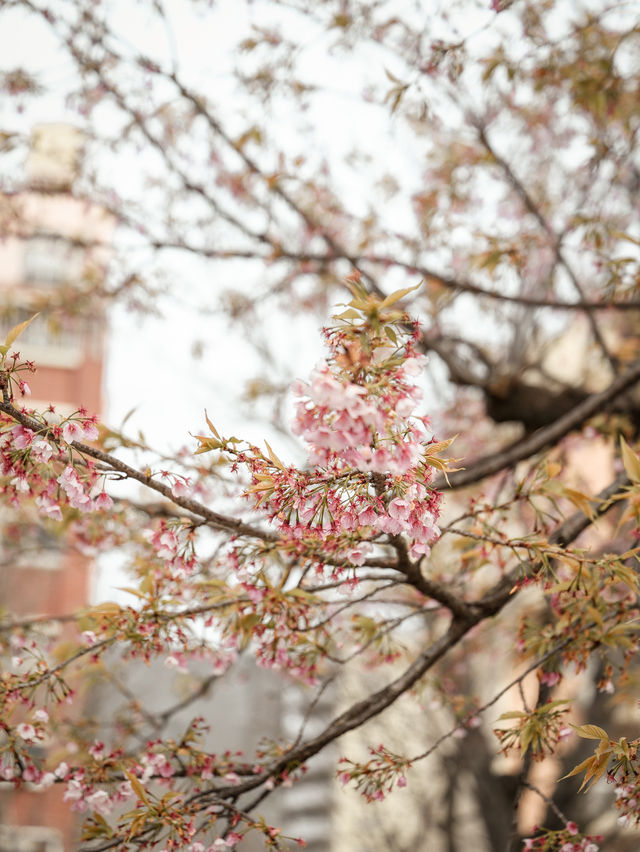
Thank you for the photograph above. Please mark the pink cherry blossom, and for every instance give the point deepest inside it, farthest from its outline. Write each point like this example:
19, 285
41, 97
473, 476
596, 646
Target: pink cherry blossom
48, 507
22, 437
103, 501
89, 431
41, 451
181, 488
27, 732
100, 802
30, 773
72, 431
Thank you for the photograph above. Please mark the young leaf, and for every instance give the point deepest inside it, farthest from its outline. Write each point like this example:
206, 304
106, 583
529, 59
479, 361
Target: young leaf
630, 461
580, 501
210, 425
350, 313
513, 714
579, 768
590, 732
137, 787
207, 444
394, 297
274, 458
17, 330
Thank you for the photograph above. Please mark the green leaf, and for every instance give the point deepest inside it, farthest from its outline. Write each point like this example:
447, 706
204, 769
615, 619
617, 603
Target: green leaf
207, 444
341, 21
580, 501
129, 414
393, 78
131, 591
526, 736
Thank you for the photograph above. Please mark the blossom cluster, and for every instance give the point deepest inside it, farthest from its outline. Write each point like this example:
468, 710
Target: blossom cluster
377, 777
567, 839
627, 792
366, 427
369, 452
173, 545
28, 460
368, 479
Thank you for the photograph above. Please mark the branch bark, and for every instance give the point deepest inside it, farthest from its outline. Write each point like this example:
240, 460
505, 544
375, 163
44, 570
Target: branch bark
578, 415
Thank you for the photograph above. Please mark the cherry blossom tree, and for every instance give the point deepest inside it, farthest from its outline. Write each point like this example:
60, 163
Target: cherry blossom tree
470, 488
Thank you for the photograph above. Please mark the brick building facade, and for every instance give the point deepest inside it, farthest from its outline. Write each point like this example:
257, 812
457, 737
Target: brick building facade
53, 245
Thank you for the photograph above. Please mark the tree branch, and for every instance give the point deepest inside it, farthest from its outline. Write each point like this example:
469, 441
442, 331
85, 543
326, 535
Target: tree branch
215, 520
496, 462
556, 245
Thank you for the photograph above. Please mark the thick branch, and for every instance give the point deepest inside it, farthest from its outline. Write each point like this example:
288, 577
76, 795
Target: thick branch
489, 605
502, 459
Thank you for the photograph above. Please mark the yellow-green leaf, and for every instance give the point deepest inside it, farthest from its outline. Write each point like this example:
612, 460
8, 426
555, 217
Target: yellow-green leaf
131, 591
17, 330
591, 732
249, 621
526, 737
211, 426
596, 770
630, 461
437, 446
394, 297
274, 458
207, 444
107, 608
579, 768
137, 787
391, 334
350, 313
580, 501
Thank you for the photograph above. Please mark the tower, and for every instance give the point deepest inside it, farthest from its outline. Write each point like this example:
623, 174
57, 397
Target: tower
53, 253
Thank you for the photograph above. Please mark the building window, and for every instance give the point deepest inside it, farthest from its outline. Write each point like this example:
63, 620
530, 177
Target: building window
14, 838
51, 260
41, 332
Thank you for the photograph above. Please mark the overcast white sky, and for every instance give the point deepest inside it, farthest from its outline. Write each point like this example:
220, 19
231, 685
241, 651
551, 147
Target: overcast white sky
150, 359
150, 363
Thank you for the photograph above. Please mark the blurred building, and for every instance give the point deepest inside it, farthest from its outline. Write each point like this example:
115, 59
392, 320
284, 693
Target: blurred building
246, 709
53, 251
54, 247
